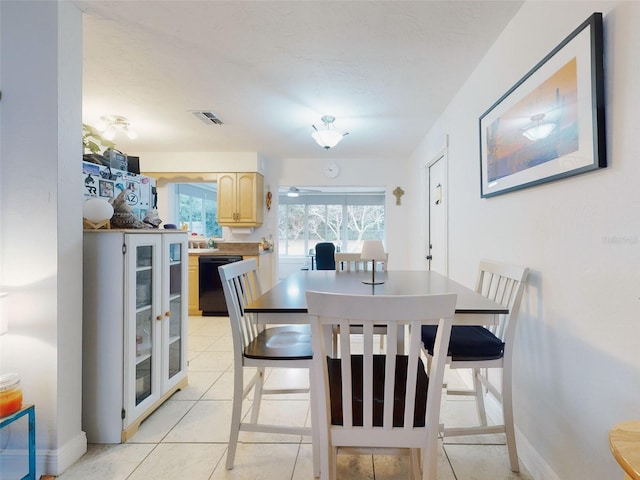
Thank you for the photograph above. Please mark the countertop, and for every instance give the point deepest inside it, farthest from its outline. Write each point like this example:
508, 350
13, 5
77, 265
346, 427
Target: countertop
231, 248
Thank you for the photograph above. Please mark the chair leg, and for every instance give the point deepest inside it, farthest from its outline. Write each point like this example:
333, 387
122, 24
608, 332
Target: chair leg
430, 458
415, 471
315, 424
507, 412
478, 387
257, 395
236, 414
333, 461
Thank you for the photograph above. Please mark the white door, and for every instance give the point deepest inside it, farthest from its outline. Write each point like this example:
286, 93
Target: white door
437, 211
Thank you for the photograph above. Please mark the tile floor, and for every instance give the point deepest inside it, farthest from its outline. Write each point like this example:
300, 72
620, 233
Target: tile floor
186, 437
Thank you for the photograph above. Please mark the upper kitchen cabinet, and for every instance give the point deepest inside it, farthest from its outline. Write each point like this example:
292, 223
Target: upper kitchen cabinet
240, 199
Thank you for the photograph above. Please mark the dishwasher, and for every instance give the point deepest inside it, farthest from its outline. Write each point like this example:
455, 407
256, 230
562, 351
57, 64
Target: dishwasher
211, 296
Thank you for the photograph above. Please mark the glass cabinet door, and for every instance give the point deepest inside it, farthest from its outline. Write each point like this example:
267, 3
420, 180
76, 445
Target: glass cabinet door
144, 289
175, 323
143, 339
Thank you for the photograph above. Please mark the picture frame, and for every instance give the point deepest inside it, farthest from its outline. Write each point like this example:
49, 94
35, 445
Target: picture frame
550, 124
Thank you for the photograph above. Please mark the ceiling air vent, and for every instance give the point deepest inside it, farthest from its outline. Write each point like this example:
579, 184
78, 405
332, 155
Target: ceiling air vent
208, 117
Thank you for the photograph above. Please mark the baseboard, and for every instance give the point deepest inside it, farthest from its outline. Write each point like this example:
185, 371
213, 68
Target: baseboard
54, 462
528, 456
532, 461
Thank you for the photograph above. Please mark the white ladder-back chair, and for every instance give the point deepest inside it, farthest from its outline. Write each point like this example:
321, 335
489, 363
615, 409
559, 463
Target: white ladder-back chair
371, 402
352, 262
479, 348
256, 346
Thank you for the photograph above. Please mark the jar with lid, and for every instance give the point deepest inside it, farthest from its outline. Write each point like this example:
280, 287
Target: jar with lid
10, 394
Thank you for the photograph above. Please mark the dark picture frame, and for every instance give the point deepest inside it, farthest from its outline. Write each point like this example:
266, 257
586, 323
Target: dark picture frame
549, 125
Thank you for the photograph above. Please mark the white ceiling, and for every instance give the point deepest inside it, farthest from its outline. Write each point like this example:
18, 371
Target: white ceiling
271, 69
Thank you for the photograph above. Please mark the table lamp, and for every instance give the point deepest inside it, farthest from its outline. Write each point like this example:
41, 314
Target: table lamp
373, 250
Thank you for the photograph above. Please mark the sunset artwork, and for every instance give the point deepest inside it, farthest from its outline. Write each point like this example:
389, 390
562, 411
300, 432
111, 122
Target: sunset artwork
541, 127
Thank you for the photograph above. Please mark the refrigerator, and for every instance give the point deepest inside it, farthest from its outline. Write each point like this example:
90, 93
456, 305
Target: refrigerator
106, 181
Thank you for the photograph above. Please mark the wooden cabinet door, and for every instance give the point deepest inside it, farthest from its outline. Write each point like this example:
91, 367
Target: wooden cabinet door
227, 198
250, 188
194, 280
240, 199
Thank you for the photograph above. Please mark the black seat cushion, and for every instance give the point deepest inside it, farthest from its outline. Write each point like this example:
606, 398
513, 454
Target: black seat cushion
289, 342
335, 389
467, 342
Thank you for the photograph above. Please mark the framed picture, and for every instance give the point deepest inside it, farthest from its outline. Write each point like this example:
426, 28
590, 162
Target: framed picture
550, 124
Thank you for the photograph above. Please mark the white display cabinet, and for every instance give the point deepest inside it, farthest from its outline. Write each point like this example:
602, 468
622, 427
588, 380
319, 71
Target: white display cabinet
134, 348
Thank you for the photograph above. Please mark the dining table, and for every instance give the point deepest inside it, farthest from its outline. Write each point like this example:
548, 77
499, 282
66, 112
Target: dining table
286, 303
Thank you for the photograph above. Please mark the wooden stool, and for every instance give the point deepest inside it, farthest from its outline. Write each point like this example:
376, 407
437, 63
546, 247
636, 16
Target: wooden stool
624, 441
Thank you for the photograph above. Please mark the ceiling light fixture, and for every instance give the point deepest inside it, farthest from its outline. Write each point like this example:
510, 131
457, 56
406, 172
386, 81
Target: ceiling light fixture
326, 135
538, 130
110, 124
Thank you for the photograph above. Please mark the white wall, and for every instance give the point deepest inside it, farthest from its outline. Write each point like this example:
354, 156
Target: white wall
381, 172
41, 224
300, 172
577, 367
210, 162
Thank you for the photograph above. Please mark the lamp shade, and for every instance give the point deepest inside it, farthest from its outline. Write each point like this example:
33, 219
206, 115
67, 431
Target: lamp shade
327, 138
326, 135
97, 210
373, 250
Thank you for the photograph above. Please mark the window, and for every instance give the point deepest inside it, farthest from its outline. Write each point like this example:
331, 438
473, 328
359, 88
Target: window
196, 205
345, 219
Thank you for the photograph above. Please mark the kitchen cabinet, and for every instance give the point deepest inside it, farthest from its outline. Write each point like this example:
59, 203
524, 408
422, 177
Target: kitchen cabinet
240, 202
134, 348
194, 286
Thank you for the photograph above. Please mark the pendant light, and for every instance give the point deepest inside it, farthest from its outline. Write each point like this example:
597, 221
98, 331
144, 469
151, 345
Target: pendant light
326, 135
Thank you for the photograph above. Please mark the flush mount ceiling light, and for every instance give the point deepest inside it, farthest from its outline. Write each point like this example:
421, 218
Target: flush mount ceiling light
538, 130
110, 124
326, 135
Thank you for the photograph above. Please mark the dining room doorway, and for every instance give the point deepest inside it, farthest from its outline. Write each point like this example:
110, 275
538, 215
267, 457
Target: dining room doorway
437, 213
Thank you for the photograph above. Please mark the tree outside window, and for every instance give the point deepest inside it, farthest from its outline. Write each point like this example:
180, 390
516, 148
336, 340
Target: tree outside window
344, 219
197, 206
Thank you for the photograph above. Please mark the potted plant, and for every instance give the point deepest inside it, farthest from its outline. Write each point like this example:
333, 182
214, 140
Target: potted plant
93, 144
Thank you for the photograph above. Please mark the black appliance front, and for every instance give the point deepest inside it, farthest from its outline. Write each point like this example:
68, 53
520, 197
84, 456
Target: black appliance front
212, 301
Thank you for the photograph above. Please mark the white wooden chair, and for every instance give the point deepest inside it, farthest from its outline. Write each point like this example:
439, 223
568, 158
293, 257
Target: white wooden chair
374, 402
256, 346
351, 262
480, 348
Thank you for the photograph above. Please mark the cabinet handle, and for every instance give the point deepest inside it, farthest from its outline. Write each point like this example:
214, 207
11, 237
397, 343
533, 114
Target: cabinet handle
167, 314
159, 317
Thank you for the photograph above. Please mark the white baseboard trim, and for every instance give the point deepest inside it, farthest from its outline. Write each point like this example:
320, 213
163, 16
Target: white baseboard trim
532, 461
54, 462
528, 456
